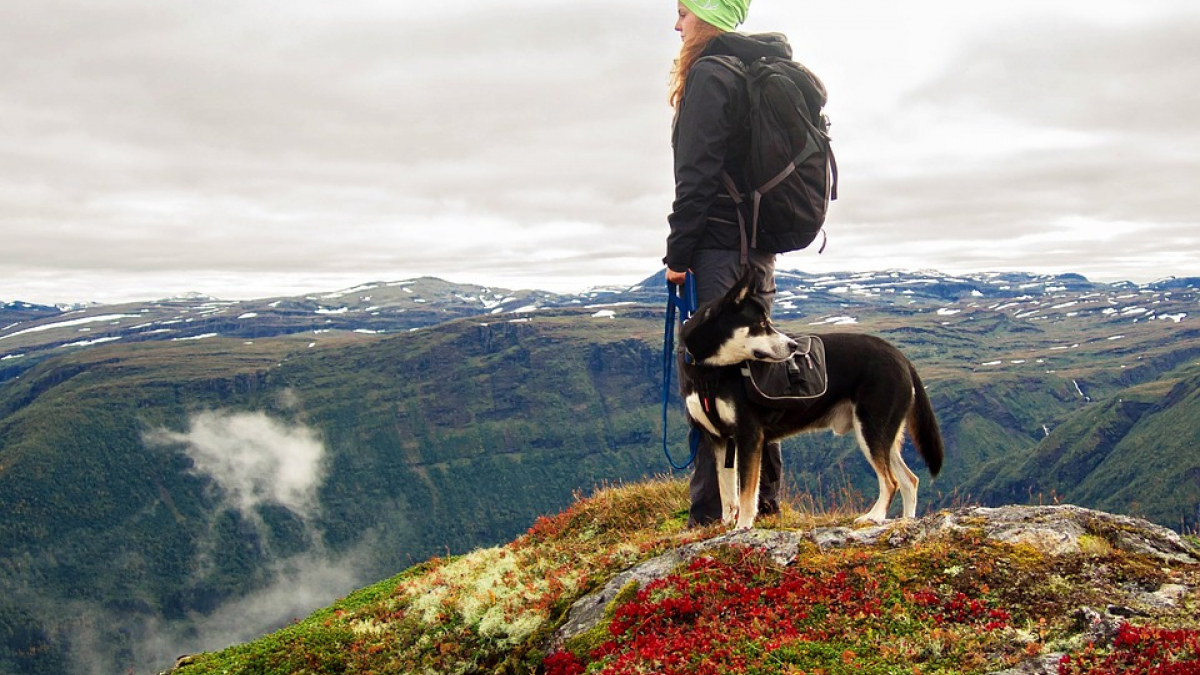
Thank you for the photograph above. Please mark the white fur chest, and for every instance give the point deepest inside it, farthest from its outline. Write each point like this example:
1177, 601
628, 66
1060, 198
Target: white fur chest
726, 413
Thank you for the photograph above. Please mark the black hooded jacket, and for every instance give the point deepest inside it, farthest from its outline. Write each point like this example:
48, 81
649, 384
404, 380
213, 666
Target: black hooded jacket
710, 136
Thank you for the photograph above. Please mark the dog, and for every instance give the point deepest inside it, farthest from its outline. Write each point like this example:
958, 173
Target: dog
872, 389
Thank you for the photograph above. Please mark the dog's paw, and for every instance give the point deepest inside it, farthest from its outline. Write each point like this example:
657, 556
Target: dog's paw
870, 519
730, 516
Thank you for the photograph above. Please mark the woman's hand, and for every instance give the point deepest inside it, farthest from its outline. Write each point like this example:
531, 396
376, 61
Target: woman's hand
676, 278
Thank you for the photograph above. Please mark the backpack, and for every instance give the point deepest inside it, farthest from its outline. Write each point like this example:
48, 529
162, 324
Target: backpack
790, 171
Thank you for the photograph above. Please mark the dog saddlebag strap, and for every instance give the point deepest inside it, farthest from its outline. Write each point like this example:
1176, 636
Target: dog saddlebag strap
789, 384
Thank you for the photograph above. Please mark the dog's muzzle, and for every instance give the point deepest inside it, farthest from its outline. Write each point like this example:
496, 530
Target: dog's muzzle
782, 352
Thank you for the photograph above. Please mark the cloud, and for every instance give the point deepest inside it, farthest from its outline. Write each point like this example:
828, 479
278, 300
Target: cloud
175, 147
1062, 145
327, 140
1117, 81
253, 459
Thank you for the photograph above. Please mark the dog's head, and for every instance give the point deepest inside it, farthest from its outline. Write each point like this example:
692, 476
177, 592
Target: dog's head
735, 328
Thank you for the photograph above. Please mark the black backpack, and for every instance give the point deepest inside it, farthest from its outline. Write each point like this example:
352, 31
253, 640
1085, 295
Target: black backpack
790, 171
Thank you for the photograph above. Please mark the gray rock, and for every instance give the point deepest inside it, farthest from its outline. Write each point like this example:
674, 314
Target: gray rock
1170, 594
782, 546
1046, 664
1056, 530
184, 660
841, 537
1098, 628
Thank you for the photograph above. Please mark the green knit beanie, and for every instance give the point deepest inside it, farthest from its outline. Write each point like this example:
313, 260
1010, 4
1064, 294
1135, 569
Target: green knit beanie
724, 14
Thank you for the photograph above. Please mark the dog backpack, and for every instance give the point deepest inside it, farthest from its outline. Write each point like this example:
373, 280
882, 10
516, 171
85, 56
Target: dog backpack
792, 383
790, 171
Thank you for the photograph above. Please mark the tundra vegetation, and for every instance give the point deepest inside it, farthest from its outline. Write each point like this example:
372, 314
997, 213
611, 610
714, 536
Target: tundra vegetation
909, 598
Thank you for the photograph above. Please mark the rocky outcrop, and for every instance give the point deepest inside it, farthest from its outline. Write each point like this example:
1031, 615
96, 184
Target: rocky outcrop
1054, 530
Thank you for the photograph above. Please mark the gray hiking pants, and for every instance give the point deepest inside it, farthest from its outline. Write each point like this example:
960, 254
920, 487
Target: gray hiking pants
716, 271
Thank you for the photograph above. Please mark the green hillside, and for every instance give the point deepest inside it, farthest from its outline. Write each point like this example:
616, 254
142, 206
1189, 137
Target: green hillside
433, 442
1137, 452
149, 510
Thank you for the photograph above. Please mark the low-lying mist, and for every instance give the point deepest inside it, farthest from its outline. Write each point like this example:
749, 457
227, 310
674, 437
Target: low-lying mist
253, 461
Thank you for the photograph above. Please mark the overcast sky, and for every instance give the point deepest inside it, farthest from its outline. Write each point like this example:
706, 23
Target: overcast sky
248, 148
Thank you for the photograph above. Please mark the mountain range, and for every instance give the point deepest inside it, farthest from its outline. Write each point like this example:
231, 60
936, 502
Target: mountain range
184, 474
29, 330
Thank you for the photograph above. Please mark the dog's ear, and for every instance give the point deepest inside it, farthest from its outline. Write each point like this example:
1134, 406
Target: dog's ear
743, 288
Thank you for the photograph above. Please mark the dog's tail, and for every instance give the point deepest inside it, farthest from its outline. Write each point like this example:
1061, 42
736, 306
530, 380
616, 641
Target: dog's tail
923, 426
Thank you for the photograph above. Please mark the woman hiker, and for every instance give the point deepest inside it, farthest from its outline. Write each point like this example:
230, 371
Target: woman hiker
709, 136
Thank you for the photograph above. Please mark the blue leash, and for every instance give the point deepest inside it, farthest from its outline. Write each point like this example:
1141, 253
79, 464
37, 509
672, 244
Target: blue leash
683, 299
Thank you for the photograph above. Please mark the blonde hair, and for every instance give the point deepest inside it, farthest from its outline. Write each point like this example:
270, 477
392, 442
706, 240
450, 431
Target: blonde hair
688, 55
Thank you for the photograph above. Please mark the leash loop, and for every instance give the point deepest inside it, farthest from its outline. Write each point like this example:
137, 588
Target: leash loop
681, 299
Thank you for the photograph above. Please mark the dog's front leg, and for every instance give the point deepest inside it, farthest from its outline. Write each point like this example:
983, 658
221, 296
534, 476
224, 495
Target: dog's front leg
749, 460
727, 480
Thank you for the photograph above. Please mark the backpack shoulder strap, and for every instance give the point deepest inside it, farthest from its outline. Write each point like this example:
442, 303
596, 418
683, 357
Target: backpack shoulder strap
731, 62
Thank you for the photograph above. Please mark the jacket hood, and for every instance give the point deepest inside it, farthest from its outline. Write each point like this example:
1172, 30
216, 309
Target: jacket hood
749, 48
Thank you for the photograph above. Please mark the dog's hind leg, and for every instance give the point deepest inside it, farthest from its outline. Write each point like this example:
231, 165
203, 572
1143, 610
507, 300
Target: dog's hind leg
906, 478
727, 480
887, 481
879, 416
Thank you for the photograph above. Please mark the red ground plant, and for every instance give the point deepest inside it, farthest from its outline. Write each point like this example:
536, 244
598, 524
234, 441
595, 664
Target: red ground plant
1137, 650
739, 613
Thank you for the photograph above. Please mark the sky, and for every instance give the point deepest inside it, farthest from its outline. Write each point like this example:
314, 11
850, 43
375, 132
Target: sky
254, 148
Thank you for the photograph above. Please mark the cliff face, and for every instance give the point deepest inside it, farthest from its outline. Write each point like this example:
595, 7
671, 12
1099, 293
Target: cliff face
615, 584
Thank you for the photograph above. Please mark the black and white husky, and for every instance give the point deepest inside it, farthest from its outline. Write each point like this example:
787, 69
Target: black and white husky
873, 390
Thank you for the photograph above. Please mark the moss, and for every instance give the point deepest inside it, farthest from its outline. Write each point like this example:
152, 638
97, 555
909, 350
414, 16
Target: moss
676, 523
627, 593
1091, 545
